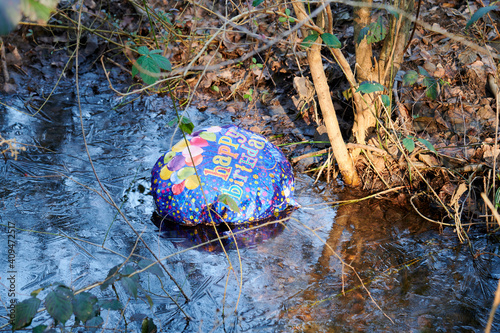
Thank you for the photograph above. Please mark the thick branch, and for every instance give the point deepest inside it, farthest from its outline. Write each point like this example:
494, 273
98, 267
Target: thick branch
344, 161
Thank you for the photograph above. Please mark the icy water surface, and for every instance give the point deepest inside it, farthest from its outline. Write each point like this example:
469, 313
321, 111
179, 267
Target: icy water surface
424, 280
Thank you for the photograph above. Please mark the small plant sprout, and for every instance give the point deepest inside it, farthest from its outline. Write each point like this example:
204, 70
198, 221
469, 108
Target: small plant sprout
255, 64
150, 62
287, 18
248, 95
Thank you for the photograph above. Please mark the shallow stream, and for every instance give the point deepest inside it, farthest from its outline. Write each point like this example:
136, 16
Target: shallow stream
419, 278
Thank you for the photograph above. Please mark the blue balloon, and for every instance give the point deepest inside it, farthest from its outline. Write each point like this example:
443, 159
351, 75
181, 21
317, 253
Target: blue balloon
222, 174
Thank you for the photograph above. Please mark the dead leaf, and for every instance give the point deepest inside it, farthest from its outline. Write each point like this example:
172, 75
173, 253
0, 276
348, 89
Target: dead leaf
430, 160
455, 200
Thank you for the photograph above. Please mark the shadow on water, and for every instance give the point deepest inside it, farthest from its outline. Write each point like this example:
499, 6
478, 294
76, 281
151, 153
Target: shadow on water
420, 276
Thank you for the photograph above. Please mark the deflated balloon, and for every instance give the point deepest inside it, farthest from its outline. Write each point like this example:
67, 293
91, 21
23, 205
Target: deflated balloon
222, 174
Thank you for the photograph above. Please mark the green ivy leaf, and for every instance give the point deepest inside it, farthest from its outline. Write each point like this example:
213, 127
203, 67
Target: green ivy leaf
255, 3
409, 144
58, 303
162, 62
331, 40
187, 128
148, 326
423, 72
151, 66
94, 323
150, 301
130, 284
24, 312
39, 329
143, 50
386, 100
410, 78
229, 201
368, 87
375, 32
309, 40
110, 280
478, 14
155, 269
112, 304
428, 145
83, 306
432, 87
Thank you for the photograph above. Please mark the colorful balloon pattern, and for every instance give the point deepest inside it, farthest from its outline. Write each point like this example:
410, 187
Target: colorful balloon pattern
222, 174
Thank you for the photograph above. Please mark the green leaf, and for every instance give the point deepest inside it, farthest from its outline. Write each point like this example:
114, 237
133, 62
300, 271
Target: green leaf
162, 62
287, 12
94, 323
24, 312
112, 304
187, 128
172, 122
478, 14
150, 301
39, 329
215, 88
143, 50
362, 33
375, 32
368, 87
428, 145
148, 326
432, 87
130, 284
58, 303
229, 201
185, 120
423, 71
386, 100
155, 269
282, 19
111, 278
309, 40
255, 3
347, 93
331, 40
148, 64
410, 78
497, 198
83, 306
409, 144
